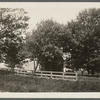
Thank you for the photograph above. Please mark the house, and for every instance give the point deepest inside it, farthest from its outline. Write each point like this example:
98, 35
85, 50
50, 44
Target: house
3, 66
29, 65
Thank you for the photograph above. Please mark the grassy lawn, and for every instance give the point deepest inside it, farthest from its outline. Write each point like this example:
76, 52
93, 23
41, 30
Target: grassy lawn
14, 83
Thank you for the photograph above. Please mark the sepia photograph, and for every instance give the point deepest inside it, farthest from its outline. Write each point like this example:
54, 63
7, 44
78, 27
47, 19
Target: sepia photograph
49, 47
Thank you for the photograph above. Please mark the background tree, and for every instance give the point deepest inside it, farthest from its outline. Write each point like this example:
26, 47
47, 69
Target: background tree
45, 45
85, 31
13, 24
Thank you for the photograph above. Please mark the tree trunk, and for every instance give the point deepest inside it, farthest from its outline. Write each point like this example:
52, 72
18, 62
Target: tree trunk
88, 71
36, 66
92, 71
12, 68
82, 73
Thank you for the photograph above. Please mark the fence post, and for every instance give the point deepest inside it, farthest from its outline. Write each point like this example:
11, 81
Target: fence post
51, 74
76, 76
41, 73
18, 72
24, 72
63, 75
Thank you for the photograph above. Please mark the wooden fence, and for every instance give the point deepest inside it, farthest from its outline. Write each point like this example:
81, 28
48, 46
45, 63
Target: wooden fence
50, 74
6, 69
57, 75
47, 74
23, 72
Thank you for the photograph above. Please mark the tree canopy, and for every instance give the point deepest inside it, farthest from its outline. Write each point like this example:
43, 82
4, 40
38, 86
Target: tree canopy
50, 40
45, 45
86, 34
13, 23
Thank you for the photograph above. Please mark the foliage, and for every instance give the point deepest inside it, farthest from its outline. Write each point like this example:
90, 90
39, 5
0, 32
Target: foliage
86, 36
45, 45
13, 26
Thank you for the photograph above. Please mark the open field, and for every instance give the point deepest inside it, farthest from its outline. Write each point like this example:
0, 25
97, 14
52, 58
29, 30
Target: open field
13, 83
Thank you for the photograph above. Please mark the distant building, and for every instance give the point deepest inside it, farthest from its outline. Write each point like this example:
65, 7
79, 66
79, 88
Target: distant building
30, 65
3, 65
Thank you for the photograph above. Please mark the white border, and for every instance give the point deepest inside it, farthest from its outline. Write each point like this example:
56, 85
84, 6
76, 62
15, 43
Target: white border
49, 94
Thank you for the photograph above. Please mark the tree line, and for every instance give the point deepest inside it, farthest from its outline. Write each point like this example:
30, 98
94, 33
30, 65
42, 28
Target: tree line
50, 39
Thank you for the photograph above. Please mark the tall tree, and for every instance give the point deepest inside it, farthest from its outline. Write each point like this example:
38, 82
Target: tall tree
45, 45
13, 24
85, 31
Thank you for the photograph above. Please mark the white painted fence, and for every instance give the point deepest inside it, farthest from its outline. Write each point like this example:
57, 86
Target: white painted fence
7, 69
57, 75
23, 72
48, 74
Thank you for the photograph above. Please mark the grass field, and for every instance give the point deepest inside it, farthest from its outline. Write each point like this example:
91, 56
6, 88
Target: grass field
14, 83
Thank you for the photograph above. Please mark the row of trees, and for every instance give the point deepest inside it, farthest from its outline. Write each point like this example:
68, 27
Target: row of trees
80, 38
48, 42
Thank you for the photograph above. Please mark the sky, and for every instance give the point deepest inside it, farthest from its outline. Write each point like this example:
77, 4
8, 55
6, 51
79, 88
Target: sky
61, 12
